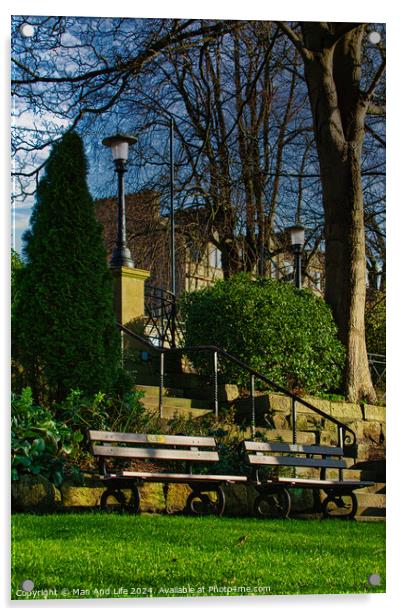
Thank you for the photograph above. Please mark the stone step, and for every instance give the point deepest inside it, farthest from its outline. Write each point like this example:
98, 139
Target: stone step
375, 468
183, 381
153, 390
373, 518
275, 402
175, 387
371, 513
37, 494
171, 410
377, 488
371, 504
184, 403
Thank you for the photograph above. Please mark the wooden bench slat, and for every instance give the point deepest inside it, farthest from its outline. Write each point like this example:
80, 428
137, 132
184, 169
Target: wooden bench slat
157, 454
154, 439
183, 476
285, 461
284, 447
306, 483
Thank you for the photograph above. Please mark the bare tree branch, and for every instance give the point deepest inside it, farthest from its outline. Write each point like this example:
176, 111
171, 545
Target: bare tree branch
375, 135
296, 40
370, 91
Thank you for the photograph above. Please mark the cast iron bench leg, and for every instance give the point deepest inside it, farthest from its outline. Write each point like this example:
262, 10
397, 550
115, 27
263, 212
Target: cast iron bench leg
272, 502
114, 499
199, 501
339, 504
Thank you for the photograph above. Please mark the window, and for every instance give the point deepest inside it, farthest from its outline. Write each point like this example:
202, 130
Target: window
195, 254
215, 258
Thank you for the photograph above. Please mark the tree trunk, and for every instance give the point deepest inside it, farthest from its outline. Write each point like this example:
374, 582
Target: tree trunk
345, 267
333, 75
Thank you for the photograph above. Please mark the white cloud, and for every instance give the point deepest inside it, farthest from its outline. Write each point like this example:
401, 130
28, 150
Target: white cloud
20, 221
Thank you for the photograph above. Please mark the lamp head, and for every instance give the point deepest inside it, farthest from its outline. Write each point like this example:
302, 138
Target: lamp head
119, 145
297, 235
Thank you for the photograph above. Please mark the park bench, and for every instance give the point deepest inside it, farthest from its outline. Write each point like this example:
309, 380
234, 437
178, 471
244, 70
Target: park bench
115, 449
122, 484
274, 499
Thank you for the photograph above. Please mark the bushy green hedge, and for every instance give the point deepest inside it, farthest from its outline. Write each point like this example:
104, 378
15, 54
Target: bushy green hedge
287, 334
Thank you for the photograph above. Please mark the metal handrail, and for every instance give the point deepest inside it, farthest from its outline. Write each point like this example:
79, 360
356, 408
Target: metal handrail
378, 367
380, 358
161, 309
162, 291
344, 432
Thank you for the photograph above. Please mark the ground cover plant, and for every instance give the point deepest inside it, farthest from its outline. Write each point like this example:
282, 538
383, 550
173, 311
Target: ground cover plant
40, 443
50, 441
96, 555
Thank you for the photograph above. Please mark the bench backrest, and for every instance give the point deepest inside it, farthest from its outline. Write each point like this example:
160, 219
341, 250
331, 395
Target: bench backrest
153, 446
296, 455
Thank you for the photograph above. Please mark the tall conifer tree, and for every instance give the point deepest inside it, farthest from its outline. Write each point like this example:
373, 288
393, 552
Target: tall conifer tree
66, 337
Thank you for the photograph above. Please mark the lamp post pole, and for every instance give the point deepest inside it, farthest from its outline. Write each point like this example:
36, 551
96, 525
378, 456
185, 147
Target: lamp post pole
128, 281
121, 256
298, 278
297, 234
172, 235
172, 220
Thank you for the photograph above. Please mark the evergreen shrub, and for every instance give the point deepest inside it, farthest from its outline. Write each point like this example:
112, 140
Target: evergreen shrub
287, 334
64, 331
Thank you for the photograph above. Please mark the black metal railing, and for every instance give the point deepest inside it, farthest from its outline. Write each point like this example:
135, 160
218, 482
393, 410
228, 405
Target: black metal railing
162, 325
346, 436
378, 369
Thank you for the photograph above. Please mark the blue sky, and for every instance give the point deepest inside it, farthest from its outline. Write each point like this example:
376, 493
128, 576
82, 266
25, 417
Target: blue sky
100, 175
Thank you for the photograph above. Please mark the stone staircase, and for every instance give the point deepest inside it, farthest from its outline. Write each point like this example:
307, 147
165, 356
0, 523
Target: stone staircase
174, 402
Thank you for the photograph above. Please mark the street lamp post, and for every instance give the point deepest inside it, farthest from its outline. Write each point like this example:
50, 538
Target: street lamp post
172, 234
297, 243
119, 144
172, 220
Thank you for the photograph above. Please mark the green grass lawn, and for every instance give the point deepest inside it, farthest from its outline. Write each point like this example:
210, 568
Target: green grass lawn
111, 555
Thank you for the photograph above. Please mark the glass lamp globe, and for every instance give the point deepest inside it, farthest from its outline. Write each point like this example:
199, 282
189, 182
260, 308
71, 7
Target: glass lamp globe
119, 145
297, 235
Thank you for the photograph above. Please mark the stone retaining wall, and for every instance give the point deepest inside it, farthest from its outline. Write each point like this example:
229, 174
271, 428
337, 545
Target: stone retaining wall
38, 495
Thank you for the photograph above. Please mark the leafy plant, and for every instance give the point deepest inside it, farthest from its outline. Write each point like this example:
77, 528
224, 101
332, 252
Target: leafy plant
39, 442
103, 412
127, 412
287, 334
81, 412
